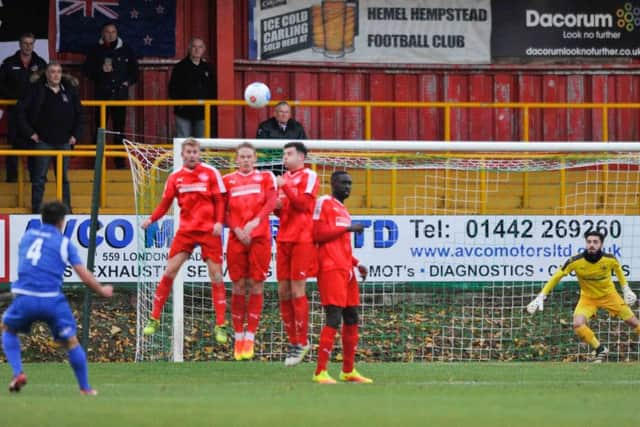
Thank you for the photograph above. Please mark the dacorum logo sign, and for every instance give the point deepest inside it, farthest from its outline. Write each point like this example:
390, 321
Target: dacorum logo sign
535, 18
565, 28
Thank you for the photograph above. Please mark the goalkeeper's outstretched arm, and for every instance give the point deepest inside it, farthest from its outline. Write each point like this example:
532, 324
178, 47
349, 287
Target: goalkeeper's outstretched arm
538, 303
630, 297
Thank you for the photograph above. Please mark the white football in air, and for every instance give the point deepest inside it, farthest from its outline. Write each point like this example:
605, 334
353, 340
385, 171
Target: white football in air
257, 94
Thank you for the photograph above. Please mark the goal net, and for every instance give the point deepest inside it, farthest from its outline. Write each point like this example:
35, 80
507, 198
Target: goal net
459, 237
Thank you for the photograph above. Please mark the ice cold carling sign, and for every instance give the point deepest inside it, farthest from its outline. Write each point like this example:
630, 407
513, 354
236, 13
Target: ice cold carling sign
565, 28
417, 31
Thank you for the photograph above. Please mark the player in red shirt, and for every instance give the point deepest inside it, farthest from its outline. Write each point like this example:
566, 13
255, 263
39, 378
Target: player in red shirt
296, 253
251, 197
199, 189
337, 283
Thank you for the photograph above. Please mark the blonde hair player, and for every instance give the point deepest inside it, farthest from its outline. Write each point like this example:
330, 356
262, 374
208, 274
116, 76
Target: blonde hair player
199, 189
251, 197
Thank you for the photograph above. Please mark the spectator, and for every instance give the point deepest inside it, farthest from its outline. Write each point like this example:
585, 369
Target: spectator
280, 126
113, 68
192, 78
14, 79
49, 116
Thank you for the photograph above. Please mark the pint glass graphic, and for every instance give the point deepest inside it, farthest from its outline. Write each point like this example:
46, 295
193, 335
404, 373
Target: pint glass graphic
318, 30
333, 19
349, 26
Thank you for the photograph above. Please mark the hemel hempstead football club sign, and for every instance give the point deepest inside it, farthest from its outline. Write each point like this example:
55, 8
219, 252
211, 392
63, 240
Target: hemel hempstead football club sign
565, 28
381, 31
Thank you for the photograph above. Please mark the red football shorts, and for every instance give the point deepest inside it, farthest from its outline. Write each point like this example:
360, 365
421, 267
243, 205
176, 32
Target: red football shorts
339, 288
296, 261
186, 241
249, 262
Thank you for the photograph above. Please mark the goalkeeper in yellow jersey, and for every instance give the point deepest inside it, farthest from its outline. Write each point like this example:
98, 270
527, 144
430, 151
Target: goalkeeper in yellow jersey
593, 270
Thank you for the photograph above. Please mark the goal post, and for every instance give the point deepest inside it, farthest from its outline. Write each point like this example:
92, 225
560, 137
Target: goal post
459, 236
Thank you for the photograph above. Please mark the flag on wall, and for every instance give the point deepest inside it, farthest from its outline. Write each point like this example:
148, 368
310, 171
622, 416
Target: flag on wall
148, 26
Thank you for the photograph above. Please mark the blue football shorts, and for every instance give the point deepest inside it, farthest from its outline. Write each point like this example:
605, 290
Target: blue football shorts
54, 311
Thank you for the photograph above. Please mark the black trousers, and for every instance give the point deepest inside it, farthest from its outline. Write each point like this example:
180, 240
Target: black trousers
39, 176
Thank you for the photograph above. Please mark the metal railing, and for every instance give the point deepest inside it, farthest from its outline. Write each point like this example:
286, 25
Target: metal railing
58, 155
368, 106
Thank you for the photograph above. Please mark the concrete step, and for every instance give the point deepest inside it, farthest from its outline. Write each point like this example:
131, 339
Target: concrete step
118, 187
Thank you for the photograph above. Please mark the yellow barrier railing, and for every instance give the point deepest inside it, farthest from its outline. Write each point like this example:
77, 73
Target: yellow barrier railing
366, 105
58, 155
369, 105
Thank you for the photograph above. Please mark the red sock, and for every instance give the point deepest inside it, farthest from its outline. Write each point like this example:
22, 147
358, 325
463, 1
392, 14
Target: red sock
238, 306
288, 318
301, 309
327, 335
253, 312
219, 302
349, 344
162, 293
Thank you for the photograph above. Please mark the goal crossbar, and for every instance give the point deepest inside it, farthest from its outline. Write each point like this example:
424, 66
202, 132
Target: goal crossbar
429, 146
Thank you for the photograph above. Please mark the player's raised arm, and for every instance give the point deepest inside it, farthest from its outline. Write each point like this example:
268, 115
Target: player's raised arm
538, 303
630, 297
91, 282
164, 205
85, 275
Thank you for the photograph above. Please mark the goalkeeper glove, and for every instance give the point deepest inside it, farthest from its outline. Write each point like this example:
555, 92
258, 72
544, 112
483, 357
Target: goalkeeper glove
629, 297
537, 304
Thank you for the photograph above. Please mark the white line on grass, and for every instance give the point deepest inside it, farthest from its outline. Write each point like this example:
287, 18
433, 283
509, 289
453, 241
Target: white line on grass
506, 383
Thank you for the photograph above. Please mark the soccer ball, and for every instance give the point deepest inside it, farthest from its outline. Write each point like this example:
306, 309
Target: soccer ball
257, 95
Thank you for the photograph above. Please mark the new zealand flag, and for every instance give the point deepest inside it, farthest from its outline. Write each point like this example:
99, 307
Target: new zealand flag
148, 26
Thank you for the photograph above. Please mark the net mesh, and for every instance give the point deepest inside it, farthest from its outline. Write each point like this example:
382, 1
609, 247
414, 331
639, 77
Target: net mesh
459, 288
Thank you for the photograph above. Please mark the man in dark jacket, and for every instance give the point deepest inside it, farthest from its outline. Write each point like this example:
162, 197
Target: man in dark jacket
280, 126
113, 68
14, 79
192, 78
49, 116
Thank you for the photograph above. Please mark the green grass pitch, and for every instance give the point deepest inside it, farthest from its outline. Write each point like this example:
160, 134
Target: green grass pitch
268, 394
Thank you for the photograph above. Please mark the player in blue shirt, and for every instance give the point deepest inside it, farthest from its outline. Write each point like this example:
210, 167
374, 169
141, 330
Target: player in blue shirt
43, 255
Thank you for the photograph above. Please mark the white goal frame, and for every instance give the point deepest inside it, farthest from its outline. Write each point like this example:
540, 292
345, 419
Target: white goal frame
363, 146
